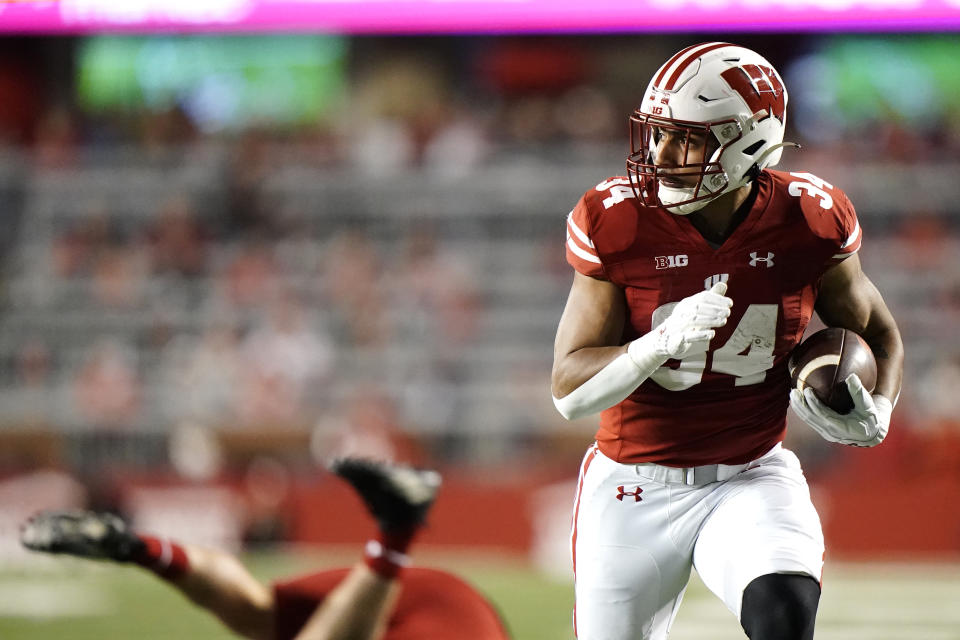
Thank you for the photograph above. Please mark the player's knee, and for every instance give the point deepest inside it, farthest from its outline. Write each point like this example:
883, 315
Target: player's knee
780, 606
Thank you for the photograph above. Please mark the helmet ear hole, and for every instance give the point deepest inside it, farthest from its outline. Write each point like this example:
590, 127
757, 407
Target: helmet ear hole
752, 149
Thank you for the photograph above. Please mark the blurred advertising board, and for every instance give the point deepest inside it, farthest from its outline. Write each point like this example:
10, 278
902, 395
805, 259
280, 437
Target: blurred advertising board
476, 16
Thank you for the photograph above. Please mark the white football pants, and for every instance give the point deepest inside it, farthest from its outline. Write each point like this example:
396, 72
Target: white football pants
638, 530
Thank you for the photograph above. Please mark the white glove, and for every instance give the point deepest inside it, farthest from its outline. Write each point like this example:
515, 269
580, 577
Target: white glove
865, 426
690, 328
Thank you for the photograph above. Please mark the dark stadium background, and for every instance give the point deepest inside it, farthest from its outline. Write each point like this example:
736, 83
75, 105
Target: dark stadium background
225, 259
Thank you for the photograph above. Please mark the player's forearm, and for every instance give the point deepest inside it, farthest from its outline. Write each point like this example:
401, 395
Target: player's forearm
849, 299
572, 370
880, 331
887, 347
611, 374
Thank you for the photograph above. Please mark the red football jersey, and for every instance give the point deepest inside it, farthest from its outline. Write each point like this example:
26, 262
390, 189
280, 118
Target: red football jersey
728, 405
432, 604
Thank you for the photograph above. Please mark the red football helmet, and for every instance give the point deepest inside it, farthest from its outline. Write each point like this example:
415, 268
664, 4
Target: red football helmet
723, 93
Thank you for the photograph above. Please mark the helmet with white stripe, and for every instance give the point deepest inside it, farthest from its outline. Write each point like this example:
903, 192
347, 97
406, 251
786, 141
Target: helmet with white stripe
728, 94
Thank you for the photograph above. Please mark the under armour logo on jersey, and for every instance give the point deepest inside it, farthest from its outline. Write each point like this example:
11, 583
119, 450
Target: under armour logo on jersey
714, 279
635, 494
755, 259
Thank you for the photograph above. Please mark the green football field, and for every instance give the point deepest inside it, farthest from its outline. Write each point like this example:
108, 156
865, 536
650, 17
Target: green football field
77, 600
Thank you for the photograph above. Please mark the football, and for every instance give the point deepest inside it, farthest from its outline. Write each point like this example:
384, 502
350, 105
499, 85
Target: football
825, 359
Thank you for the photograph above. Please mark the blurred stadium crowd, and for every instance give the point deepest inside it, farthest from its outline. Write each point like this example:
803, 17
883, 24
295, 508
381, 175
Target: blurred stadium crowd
388, 275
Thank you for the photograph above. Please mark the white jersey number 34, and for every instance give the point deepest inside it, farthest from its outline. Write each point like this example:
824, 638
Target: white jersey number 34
747, 355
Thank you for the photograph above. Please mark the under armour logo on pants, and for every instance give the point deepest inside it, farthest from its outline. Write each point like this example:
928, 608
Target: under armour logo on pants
635, 493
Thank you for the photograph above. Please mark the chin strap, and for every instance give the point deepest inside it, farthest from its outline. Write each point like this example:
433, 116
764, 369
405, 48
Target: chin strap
750, 125
763, 156
754, 169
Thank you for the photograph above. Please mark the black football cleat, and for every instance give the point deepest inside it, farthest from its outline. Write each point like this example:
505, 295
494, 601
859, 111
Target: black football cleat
81, 533
399, 497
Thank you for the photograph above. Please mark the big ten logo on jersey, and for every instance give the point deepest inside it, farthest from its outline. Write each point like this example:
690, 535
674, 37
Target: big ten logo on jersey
668, 262
619, 188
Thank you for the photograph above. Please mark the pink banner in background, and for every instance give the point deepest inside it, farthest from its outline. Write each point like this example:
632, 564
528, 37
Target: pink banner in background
476, 16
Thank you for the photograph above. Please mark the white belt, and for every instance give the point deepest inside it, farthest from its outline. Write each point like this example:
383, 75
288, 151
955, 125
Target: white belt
690, 476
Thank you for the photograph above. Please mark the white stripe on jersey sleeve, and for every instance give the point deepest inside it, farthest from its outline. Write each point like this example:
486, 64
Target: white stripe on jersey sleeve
853, 236
581, 253
584, 238
851, 240
841, 256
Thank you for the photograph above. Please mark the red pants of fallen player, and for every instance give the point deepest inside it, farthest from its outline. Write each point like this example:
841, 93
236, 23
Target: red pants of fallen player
432, 604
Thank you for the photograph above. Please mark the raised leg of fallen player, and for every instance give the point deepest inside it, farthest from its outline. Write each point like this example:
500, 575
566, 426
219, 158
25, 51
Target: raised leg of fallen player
360, 605
357, 607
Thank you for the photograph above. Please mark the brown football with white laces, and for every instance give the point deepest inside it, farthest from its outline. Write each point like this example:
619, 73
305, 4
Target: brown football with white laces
825, 359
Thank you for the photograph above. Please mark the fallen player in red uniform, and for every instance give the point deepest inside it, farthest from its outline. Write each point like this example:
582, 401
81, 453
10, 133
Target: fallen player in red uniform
379, 598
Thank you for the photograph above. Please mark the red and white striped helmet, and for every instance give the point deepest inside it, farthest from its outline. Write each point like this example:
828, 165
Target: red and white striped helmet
731, 93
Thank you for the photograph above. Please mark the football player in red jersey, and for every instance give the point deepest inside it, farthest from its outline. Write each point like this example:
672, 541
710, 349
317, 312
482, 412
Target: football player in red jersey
695, 276
380, 598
